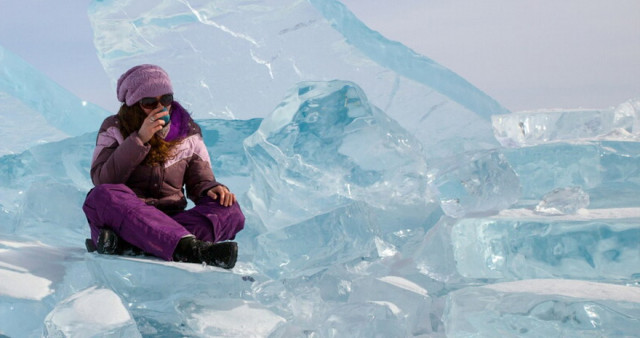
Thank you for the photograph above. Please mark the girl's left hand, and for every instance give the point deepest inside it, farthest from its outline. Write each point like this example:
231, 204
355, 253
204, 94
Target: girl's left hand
223, 195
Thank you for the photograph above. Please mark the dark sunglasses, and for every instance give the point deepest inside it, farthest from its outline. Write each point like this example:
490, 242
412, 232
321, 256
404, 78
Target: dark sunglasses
152, 102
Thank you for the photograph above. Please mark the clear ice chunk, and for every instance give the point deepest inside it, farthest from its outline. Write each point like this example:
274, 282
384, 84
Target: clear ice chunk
530, 128
484, 185
594, 245
603, 169
88, 313
544, 307
157, 292
324, 147
338, 236
563, 201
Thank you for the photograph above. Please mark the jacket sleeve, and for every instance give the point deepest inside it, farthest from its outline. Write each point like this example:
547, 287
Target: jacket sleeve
199, 176
114, 159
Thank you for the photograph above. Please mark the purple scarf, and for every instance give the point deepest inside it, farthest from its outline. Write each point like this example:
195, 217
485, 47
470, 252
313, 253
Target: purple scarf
179, 122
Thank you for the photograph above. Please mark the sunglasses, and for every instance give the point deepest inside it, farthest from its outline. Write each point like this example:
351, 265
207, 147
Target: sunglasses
152, 102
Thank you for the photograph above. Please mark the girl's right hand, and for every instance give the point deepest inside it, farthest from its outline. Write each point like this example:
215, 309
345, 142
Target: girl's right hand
152, 124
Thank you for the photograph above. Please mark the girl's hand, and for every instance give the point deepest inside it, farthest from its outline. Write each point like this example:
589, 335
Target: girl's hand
152, 124
223, 195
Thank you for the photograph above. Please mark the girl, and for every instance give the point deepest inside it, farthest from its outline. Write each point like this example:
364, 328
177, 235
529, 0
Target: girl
144, 156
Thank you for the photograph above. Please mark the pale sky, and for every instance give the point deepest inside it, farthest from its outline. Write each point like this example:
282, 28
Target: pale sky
56, 38
525, 54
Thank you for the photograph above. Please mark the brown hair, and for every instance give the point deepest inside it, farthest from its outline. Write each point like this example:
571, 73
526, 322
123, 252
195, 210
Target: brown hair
131, 118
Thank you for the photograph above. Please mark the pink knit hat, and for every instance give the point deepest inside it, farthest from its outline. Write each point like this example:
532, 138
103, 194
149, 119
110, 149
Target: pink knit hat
143, 81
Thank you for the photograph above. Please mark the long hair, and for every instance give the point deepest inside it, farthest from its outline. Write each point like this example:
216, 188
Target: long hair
131, 118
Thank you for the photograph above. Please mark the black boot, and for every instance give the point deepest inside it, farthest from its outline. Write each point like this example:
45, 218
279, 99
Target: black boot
108, 242
224, 254
111, 244
88, 243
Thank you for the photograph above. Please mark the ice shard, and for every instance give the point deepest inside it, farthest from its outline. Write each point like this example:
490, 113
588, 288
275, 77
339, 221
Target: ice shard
326, 146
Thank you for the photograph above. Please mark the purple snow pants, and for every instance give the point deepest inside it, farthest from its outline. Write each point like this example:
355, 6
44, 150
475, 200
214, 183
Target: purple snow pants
115, 206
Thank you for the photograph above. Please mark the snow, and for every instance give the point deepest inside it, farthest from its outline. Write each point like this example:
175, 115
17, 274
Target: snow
23, 285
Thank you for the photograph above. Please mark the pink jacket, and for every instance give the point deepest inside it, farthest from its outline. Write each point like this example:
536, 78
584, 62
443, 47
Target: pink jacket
117, 160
